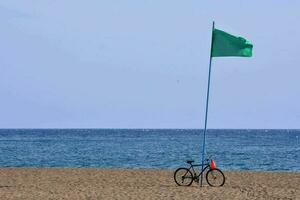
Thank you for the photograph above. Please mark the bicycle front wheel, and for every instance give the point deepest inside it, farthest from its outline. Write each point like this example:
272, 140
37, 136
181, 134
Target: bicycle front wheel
215, 178
183, 177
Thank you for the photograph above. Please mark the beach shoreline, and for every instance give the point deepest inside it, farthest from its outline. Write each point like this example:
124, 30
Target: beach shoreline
74, 183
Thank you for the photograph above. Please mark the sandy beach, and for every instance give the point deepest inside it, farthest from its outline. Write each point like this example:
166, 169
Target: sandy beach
139, 184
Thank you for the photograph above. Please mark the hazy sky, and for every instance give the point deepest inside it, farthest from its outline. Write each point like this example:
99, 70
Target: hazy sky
144, 64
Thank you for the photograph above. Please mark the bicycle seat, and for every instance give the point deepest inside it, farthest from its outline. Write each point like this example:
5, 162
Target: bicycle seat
190, 161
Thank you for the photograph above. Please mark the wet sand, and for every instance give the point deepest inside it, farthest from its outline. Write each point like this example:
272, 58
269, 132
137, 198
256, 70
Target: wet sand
123, 184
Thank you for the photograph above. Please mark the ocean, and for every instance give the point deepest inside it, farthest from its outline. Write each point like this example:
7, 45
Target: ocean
255, 150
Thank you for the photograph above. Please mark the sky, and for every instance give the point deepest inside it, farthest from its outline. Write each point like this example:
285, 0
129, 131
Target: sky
144, 64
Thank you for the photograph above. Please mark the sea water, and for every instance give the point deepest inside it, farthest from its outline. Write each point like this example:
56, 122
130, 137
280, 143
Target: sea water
259, 150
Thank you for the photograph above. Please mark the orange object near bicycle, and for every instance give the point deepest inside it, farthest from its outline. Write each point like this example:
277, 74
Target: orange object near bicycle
213, 164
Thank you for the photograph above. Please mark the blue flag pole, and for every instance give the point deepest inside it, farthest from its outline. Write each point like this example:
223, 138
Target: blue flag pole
206, 110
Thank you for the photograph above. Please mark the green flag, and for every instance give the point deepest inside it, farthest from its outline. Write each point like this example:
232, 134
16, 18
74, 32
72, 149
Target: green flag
224, 44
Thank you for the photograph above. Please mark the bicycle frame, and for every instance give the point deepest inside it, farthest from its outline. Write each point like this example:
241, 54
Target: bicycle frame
195, 176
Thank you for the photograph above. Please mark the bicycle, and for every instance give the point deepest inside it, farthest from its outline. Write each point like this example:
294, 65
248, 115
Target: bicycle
186, 176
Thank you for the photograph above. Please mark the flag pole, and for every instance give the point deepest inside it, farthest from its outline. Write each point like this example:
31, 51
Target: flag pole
207, 99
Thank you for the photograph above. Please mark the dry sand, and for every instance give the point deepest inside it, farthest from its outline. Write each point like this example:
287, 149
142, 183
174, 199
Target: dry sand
139, 184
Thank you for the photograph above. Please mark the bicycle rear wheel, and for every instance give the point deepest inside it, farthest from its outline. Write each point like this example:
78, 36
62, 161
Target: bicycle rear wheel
215, 178
183, 177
